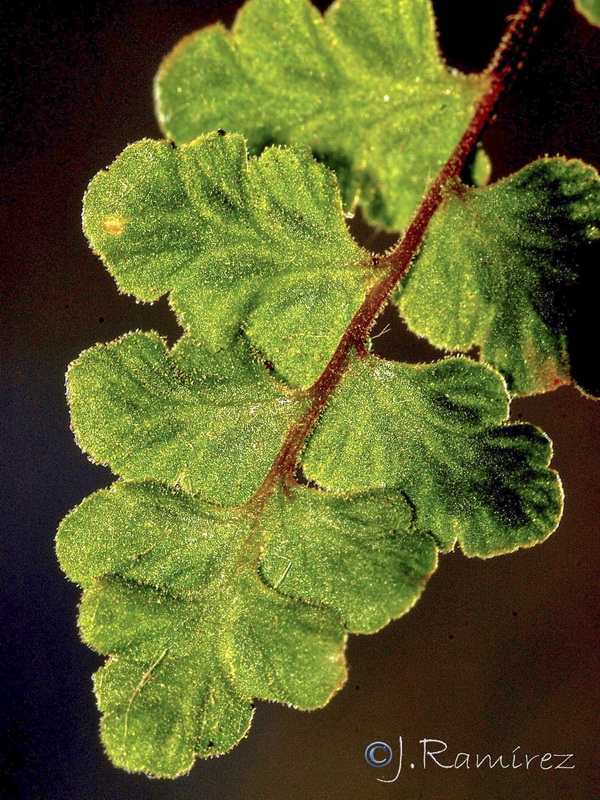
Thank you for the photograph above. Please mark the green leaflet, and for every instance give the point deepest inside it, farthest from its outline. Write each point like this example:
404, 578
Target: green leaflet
435, 431
358, 555
210, 423
173, 594
365, 87
499, 266
258, 246
590, 10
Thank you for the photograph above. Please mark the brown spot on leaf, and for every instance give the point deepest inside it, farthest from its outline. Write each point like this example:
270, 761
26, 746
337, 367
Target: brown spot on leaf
113, 224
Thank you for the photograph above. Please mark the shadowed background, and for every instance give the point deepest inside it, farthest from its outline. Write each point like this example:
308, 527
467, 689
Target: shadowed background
496, 655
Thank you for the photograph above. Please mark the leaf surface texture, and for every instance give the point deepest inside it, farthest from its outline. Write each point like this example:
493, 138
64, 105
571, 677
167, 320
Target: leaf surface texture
258, 246
365, 87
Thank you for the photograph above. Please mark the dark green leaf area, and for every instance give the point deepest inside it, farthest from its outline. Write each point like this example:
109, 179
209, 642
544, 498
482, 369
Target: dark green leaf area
365, 87
175, 594
259, 246
500, 265
210, 423
435, 431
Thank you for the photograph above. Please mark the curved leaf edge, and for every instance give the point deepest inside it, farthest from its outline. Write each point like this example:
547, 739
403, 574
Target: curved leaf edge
473, 348
590, 9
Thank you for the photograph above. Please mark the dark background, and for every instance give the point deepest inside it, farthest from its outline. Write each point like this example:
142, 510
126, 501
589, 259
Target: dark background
497, 654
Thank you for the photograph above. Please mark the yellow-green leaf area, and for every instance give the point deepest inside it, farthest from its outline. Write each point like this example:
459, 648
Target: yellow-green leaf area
231, 240
590, 10
189, 602
211, 423
500, 264
364, 86
438, 433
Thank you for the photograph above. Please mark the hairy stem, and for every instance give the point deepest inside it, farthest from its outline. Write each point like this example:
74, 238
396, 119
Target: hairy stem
507, 59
